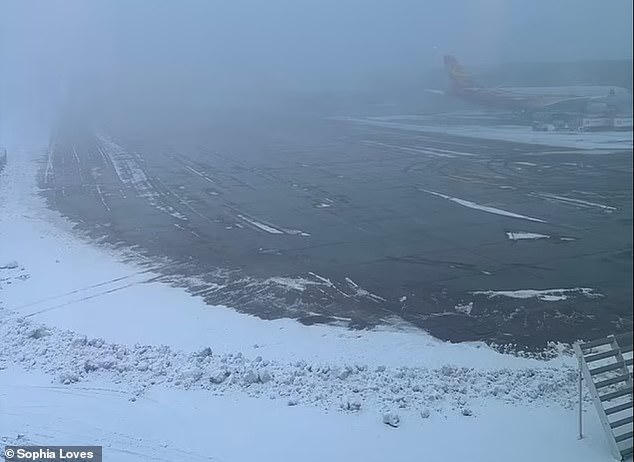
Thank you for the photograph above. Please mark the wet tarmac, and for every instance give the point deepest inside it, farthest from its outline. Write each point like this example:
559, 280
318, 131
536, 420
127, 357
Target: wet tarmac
326, 220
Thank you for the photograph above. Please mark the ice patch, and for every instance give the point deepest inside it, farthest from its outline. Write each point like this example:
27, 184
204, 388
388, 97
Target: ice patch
326, 203
576, 202
298, 284
360, 292
261, 226
295, 232
484, 208
547, 295
522, 235
272, 229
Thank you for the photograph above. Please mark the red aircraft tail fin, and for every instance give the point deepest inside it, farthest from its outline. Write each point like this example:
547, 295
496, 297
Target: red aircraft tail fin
458, 75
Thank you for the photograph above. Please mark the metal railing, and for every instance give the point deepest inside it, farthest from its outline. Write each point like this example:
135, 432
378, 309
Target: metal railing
606, 367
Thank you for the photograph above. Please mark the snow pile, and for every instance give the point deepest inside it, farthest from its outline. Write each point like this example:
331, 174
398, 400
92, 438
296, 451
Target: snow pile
71, 358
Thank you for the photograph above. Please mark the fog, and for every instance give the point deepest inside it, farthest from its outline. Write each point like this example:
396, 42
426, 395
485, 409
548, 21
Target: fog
246, 52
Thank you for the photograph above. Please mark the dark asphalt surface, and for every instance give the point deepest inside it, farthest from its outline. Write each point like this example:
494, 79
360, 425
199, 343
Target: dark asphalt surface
324, 220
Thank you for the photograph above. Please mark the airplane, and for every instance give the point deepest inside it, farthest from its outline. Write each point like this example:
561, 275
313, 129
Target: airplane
580, 98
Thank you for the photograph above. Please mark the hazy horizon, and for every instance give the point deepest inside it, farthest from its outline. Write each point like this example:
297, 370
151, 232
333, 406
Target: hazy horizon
241, 52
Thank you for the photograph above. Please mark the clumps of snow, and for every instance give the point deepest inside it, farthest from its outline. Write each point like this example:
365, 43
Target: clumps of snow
465, 411
352, 405
552, 350
11, 272
425, 413
205, 352
216, 377
464, 308
264, 376
38, 332
257, 376
72, 358
547, 295
251, 377
392, 419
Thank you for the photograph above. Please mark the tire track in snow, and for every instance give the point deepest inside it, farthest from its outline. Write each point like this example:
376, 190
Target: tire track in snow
132, 175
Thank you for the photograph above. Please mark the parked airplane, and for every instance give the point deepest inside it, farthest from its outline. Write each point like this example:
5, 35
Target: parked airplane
580, 98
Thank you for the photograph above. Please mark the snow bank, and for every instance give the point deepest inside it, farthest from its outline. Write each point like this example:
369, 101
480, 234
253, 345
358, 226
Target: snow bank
71, 357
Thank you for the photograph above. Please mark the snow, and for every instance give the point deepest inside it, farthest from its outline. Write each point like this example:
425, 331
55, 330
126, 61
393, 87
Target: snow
130, 174
271, 229
465, 308
298, 284
523, 235
483, 208
70, 357
514, 133
575, 202
196, 425
550, 295
262, 226
98, 349
432, 151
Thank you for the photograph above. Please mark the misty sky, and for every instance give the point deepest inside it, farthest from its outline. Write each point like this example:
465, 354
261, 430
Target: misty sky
246, 47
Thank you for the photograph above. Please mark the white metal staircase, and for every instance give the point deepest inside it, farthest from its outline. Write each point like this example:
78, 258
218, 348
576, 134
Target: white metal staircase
606, 367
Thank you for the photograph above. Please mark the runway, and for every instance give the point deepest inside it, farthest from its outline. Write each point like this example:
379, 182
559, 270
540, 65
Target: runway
363, 224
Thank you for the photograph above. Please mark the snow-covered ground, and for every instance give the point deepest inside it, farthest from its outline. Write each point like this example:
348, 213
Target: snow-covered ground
607, 140
97, 349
